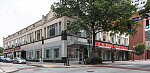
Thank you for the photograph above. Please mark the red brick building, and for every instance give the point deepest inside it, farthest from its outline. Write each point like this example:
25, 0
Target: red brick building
138, 38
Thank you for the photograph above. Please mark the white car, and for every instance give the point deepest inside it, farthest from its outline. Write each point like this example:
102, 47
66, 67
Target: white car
18, 60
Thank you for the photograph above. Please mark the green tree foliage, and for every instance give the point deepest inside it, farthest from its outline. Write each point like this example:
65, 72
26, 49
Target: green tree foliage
140, 49
146, 10
95, 16
1, 51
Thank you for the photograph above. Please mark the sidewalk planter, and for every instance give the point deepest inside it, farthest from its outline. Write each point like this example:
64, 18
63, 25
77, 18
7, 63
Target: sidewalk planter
94, 60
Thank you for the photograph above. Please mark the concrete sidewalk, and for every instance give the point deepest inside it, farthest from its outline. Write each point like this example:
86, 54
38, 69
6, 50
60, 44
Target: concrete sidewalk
61, 65
55, 65
76, 64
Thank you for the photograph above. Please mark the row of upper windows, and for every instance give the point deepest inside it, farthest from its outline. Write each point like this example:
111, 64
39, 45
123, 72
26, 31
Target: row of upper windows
49, 31
112, 39
54, 30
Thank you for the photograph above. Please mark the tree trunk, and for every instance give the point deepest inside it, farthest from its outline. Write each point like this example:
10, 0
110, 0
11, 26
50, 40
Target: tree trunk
93, 39
139, 58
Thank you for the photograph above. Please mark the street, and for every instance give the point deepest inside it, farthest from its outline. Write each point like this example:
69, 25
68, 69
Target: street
117, 67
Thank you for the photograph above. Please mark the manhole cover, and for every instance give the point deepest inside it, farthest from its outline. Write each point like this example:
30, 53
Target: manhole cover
90, 71
36, 69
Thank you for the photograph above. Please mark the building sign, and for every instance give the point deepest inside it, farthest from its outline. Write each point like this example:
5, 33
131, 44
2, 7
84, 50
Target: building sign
121, 47
101, 44
11, 50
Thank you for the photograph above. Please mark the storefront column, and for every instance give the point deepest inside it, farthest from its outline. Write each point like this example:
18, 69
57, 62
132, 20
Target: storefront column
26, 54
102, 53
42, 52
33, 52
64, 48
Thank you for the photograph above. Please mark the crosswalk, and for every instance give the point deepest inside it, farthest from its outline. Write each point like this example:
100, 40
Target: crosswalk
1, 71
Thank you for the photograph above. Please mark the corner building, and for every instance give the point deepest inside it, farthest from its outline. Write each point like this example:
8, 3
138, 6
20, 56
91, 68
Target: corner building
27, 43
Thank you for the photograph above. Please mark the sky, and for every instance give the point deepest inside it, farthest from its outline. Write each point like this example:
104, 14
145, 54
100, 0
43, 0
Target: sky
18, 14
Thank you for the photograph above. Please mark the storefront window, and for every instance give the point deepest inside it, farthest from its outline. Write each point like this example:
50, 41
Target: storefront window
56, 52
29, 55
104, 55
47, 53
37, 54
108, 55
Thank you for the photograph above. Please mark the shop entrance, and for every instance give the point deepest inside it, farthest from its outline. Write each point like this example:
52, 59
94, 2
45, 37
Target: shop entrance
23, 54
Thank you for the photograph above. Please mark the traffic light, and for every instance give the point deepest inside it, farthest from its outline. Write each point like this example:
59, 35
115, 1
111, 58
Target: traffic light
129, 25
147, 24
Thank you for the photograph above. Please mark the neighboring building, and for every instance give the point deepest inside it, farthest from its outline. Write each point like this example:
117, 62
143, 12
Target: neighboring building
147, 37
139, 3
27, 42
139, 38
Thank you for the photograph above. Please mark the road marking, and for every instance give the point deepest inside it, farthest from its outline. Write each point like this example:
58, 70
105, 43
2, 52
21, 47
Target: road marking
12, 69
50, 66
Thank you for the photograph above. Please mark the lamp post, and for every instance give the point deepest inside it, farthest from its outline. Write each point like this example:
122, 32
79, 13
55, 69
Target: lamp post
88, 48
146, 54
133, 52
112, 51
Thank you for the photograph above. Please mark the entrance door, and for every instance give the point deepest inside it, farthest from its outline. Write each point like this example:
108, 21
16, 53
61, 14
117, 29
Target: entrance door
23, 54
81, 56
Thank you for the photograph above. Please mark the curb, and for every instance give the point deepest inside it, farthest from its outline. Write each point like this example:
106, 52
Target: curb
51, 66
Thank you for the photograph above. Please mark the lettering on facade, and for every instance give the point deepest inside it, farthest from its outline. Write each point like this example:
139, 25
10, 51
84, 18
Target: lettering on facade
110, 45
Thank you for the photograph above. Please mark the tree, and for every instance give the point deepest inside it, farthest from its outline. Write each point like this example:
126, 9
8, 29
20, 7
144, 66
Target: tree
144, 12
96, 16
1, 51
140, 49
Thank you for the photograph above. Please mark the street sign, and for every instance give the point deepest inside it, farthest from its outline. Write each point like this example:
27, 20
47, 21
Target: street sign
88, 47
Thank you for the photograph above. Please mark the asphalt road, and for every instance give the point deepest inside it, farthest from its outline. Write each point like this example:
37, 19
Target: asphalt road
117, 67
80, 70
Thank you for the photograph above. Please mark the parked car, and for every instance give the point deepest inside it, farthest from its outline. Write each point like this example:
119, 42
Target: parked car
8, 60
18, 60
2, 58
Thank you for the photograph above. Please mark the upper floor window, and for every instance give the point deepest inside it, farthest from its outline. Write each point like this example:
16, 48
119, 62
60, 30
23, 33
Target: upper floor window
104, 36
68, 23
41, 34
45, 33
112, 39
56, 29
59, 27
48, 31
38, 35
52, 30
35, 35
119, 40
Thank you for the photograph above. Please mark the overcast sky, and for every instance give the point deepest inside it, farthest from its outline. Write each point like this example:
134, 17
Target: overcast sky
18, 14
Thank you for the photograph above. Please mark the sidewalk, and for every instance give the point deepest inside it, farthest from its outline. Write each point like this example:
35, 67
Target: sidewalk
6, 69
76, 64
56, 65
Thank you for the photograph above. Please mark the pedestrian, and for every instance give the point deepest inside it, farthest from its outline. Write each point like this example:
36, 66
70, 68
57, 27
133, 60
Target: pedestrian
40, 60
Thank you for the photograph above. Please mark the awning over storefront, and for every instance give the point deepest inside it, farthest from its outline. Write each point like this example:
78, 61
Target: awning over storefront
11, 50
110, 45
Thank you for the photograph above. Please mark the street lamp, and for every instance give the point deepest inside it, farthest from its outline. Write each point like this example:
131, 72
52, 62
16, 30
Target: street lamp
88, 48
133, 52
112, 51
